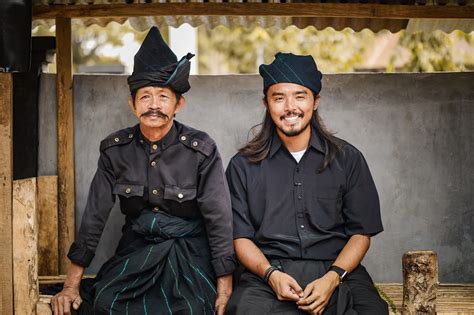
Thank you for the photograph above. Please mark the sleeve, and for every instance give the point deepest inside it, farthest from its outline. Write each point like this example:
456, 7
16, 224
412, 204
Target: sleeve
99, 203
243, 227
214, 204
361, 207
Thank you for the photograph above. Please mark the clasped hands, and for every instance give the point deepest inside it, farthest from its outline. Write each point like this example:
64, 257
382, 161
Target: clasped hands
313, 299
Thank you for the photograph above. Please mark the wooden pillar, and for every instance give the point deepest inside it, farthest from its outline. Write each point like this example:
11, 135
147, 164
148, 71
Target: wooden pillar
25, 247
420, 282
66, 197
48, 221
6, 171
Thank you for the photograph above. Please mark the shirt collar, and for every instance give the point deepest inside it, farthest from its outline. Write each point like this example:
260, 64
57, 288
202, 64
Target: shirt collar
163, 143
315, 141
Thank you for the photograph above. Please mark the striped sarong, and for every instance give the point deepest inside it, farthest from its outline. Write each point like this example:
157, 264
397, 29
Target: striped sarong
167, 272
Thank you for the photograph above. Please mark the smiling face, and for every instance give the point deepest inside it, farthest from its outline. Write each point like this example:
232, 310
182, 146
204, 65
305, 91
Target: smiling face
155, 107
291, 107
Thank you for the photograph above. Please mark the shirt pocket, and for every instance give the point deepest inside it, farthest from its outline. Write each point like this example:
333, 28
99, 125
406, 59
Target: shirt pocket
178, 194
131, 197
326, 211
129, 190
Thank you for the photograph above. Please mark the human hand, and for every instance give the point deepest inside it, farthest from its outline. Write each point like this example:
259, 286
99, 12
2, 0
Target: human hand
224, 290
285, 287
221, 302
61, 302
318, 293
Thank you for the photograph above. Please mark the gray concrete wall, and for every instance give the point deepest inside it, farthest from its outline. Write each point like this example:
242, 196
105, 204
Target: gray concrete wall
415, 130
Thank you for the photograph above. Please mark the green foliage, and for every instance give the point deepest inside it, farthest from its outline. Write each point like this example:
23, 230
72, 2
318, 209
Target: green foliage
240, 50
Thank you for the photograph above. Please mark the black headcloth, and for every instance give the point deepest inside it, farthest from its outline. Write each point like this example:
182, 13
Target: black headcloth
289, 68
155, 64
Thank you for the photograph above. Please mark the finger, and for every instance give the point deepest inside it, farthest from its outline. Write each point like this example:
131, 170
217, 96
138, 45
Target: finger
66, 305
311, 298
320, 309
296, 287
288, 293
60, 306
314, 307
54, 306
77, 302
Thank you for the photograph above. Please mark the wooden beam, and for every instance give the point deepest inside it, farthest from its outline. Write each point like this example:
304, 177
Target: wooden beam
25, 247
66, 197
346, 10
48, 222
6, 170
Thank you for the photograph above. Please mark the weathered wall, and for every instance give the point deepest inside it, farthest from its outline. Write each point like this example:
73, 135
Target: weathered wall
415, 130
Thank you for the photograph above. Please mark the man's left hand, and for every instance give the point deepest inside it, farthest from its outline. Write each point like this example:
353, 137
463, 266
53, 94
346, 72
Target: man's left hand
318, 293
221, 302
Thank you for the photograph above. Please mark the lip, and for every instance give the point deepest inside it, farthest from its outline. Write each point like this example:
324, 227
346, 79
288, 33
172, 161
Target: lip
291, 120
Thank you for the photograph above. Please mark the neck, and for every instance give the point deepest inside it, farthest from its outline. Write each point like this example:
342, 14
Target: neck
154, 134
296, 143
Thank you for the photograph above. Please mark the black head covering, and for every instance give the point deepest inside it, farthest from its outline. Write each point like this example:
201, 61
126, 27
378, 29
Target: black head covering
156, 65
289, 68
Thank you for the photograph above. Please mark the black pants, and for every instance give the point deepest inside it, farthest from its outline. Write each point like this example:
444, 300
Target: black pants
356, 295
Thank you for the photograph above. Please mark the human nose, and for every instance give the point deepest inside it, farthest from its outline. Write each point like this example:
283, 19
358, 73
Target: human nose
154, 103
290, 105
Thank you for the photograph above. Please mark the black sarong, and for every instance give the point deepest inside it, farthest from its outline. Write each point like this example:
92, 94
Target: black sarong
167, 272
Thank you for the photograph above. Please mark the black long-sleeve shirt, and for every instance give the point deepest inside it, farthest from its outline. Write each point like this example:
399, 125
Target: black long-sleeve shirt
290, 210
181, 174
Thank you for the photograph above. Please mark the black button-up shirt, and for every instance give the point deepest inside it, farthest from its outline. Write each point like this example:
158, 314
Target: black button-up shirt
290, 210
181, 174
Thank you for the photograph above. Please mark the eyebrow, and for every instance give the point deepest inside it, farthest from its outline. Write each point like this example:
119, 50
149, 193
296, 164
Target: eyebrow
295, 93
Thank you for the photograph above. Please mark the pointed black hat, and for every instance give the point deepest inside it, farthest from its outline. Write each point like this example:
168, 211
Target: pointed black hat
155, 64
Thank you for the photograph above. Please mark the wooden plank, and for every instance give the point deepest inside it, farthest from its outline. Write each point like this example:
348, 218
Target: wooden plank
347, 10
48, 226
43, 309
66, 198
6, 171
25, 247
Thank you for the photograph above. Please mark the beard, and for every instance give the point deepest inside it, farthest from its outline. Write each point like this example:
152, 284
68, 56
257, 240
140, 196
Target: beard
293, 132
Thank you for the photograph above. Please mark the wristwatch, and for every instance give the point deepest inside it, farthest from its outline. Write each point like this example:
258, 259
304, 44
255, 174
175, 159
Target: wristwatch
340, 272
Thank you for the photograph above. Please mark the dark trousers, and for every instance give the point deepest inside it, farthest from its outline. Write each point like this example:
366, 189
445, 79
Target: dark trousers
356, 295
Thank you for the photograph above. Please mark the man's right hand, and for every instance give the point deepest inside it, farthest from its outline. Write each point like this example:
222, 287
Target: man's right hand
61, 302
285, 287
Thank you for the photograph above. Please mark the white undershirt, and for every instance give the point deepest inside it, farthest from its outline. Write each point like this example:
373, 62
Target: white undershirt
298, 155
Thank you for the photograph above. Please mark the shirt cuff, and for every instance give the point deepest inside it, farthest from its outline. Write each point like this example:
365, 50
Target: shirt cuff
80, 255
224, 265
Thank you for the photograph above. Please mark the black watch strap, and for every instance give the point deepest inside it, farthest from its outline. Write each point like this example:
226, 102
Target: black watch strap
340, 272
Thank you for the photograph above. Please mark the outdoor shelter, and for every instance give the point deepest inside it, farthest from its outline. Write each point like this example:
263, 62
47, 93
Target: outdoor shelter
376, 15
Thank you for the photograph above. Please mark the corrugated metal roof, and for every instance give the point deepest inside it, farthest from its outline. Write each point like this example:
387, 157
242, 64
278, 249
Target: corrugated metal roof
277, 22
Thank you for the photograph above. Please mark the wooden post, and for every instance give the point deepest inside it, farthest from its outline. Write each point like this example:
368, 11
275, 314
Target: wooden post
420, 282
48, 221
66, 198
6, 171
25, 246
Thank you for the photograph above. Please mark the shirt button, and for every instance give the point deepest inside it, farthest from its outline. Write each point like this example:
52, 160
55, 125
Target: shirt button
153, 163
302, 226
130, 135
297, 184
117, 139
180, 196
155, 209
183, 138
141, 141
300, 197
154, 147
154, 192
128, 190
195, 143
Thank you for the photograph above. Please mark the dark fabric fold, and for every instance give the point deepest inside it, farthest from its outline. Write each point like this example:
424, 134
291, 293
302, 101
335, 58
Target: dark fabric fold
80, 254
224, 265
166, 271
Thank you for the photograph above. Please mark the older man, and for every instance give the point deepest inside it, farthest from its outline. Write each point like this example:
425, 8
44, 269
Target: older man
172, 189
304, 206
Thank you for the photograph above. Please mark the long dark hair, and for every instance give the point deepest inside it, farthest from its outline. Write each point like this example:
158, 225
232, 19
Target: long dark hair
258, 148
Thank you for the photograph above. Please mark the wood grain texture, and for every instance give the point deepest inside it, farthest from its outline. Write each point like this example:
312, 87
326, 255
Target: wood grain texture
25, 246
48, 226
66, 191
349, 10
420, 282
6, 173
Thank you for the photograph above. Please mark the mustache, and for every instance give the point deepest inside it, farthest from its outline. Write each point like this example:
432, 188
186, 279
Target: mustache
293, 113
156, 112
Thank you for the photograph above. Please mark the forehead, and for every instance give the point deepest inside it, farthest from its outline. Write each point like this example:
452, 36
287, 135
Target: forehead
155, 90
287, 88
